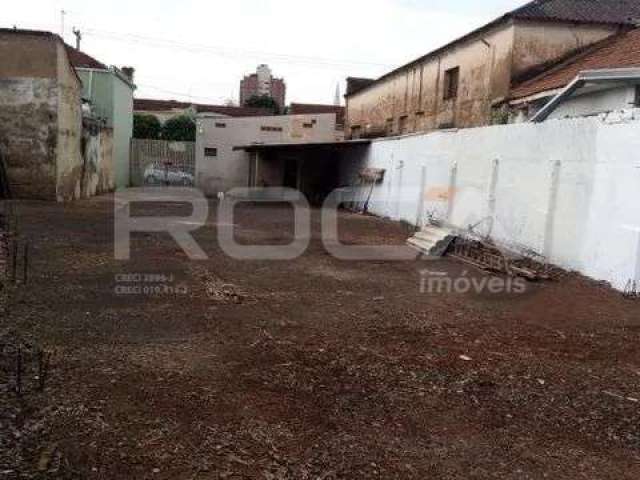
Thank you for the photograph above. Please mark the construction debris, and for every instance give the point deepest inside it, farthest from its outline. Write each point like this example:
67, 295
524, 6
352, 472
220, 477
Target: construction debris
632, 289
432, 240
489, 257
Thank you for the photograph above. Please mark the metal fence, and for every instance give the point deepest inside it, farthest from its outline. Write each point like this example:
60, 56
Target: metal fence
159, 162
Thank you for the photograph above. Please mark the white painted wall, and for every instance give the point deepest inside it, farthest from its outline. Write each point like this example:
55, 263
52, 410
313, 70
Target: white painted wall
593, 103
230, 169
568, 189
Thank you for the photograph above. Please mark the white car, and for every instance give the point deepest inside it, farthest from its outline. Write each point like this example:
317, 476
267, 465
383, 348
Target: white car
167, 175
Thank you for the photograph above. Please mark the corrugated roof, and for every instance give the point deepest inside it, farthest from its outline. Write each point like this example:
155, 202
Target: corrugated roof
152, 105
621, 51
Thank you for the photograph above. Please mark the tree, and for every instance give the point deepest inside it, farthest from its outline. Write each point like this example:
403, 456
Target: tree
146, 126
179, 129
263, 101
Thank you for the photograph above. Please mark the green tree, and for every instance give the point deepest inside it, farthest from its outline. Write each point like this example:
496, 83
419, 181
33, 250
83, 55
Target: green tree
263, 101
179, 129
146, 126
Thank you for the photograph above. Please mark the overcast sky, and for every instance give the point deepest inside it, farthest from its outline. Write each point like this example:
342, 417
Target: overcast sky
199, 50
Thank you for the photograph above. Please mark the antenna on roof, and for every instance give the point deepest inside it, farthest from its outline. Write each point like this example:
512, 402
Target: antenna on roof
78, 35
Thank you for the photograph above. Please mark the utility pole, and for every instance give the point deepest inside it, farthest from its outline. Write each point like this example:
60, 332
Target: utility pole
78, 35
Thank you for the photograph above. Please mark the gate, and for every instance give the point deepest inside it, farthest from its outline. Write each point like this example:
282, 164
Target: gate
160, 162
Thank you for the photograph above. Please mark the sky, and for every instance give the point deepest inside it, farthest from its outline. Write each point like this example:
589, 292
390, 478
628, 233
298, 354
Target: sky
199, 51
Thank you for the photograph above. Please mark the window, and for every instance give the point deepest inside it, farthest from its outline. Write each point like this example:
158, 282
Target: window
307, 125
210, 152
388, 127
270, 129
636, 102
451, 82
221, 125
404, 120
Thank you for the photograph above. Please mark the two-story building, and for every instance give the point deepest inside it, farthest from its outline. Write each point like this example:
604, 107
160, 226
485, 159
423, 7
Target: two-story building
464, 84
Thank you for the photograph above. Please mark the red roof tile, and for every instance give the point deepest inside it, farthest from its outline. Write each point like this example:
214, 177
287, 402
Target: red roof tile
152, 105
80, 59
621, 51
584, 11
310, 108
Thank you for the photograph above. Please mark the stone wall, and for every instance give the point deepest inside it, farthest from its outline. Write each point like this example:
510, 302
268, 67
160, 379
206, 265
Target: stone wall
40, 116
69, 158
28, 135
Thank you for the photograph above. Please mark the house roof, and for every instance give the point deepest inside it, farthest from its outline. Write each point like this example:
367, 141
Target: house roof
604, 12
620, 51
80, 59
584, 11
152, 105
355, 84
310, 108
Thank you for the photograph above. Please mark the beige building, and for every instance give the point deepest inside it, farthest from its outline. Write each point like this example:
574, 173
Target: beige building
41, 121
465, 83
222, 160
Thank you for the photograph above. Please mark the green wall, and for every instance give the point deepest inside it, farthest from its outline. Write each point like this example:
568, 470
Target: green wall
112, 99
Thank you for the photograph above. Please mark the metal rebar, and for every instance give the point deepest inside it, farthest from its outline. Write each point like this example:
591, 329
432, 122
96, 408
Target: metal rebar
14, 261
25, 263
19, 372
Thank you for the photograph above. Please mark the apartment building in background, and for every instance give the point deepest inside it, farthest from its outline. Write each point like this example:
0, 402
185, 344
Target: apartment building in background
263, 83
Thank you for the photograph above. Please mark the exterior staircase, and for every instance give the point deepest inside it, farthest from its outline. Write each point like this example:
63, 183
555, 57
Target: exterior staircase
432, 240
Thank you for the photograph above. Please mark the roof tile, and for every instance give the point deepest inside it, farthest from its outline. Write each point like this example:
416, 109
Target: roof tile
152, 105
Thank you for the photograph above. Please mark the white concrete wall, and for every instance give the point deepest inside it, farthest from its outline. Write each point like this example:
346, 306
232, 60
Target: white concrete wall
568, 189
230, 169
594, 103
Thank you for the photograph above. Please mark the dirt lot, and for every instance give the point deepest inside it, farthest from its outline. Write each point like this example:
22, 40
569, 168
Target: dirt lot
310, 369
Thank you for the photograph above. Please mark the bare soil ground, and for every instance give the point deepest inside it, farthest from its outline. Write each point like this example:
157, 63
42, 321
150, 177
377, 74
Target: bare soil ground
308, 369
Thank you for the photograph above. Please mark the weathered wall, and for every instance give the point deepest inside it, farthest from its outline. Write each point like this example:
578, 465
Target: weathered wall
28, 113
488, 62
230, 169
28, 56
567, 189
537, 43
69, 160
98, 164
417, 92
28, 135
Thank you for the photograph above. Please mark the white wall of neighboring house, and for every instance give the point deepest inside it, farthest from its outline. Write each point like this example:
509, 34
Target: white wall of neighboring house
567, 189
582, 103
220, 168
594, 103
